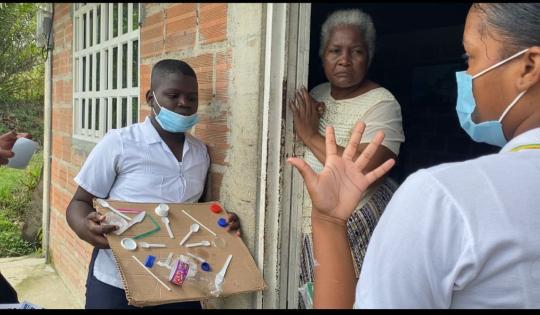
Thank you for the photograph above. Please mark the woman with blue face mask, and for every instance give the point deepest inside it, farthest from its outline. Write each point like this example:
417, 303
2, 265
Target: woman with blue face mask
457, 235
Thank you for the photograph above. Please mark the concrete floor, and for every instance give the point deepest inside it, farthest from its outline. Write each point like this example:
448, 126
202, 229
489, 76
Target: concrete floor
37, 283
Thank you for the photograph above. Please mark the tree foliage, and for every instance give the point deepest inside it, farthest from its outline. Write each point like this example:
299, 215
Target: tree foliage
21, 61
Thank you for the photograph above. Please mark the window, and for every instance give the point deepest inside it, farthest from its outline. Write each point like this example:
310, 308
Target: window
105, 68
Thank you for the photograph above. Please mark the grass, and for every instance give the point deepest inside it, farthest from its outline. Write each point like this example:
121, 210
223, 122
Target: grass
16, 187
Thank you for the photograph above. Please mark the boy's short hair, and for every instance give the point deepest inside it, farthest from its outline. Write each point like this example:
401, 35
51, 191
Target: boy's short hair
167, 66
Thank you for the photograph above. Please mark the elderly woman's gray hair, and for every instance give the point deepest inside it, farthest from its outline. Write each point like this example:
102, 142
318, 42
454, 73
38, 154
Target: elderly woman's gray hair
517, 23
352, 17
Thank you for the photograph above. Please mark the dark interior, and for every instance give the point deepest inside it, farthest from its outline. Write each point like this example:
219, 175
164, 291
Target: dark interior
418, 50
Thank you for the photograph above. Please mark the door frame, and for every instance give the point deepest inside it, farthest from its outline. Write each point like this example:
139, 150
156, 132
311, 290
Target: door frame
280, 191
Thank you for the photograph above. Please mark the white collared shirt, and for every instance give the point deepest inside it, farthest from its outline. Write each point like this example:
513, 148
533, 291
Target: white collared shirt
134, 164
460, 235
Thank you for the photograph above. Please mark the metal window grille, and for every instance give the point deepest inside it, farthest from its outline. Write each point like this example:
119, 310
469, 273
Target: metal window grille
106, 78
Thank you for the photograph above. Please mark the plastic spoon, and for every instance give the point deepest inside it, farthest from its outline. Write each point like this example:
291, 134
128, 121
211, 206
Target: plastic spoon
192, 229
166, 221
148, 245
136, 219
105, 204
203, 243
221, 274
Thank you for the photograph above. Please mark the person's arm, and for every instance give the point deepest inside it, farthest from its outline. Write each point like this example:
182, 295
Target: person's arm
307, 118
95, 179
335, 192
85, 221
334, 279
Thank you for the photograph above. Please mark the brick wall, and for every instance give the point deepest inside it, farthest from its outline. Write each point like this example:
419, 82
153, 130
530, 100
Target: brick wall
69, 255
197, 34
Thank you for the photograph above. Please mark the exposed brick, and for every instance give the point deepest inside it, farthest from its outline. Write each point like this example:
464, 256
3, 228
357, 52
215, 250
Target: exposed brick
218, 153
202, 65
61, 10
71, 184
210, 136
181, 11
152, 35
151, 48
180, 27
57, 145
213, 24
215, 183
223, 66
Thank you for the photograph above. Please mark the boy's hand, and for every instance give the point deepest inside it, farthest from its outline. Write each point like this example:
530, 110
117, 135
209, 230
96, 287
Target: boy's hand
95, 233
234, 223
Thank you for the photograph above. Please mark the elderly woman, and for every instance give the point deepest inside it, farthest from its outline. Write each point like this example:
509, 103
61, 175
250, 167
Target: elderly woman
457, 235
347, 47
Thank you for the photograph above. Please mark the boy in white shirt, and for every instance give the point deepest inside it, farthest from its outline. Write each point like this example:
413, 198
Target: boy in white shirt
155, 161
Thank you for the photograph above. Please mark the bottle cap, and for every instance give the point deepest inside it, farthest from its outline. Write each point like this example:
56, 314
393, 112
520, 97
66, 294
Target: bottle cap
149, 261
215, 208
222, 222
205, 266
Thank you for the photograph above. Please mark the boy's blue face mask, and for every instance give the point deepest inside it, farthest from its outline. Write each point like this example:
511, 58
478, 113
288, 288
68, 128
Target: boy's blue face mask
174, 122
489, 131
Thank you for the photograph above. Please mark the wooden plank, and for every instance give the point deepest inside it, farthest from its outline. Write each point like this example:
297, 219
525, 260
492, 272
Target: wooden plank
297, 187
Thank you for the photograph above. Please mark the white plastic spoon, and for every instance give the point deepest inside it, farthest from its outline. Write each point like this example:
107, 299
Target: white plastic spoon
203, 243
148, 245
192, 229
105, 204
220, 276
166, 221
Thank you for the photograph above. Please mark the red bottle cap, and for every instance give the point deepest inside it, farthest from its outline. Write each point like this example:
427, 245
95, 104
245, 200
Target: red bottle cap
215, 208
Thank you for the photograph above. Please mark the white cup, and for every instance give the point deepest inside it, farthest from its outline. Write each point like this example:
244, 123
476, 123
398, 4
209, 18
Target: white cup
162, 210
23, 149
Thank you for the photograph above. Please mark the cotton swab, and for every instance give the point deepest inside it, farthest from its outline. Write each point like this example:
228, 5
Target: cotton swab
192, 218
150, 272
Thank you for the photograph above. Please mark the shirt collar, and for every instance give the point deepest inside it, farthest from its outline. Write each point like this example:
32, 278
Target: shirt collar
528, 137
149, 132
152, 136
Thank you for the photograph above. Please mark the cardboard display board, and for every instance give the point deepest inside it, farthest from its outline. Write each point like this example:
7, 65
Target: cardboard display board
142, 289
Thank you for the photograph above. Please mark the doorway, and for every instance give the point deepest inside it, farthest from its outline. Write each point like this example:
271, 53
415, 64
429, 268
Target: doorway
418, 50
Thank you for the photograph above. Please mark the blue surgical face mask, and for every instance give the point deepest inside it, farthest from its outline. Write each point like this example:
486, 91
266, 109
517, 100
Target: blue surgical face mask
489, 131
174, 122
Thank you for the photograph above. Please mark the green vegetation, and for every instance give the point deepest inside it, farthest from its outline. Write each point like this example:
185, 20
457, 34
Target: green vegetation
16, 187
21, 109
21, 61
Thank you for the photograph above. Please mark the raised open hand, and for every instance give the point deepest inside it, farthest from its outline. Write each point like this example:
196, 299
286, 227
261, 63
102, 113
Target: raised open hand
337, 190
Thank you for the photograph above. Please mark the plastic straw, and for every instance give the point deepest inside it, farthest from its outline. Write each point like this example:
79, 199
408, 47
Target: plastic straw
192, 218
152, 274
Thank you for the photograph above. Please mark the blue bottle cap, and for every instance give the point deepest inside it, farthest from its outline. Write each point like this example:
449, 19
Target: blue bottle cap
222, 222
205, 266
149, 261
